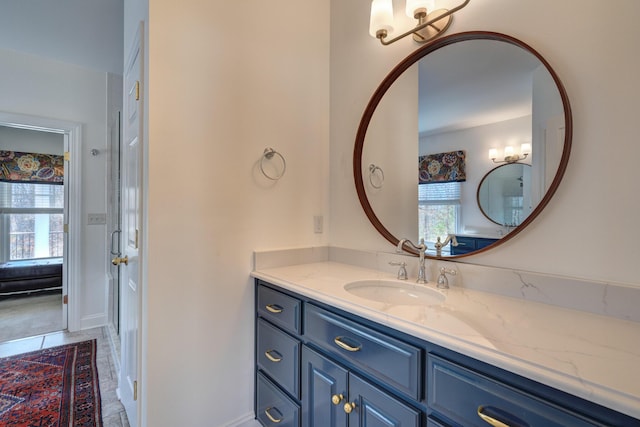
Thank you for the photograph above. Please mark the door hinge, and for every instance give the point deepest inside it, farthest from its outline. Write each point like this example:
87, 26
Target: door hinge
137, 90
136, 238
65, 228
67, 156
65, 299
135, 390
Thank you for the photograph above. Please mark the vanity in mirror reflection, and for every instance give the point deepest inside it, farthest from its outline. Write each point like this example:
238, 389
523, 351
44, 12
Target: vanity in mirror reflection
445, 125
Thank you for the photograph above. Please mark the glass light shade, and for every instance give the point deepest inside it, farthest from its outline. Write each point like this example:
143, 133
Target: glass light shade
493, 153
508, 151
413, 5
525, 148
381, 16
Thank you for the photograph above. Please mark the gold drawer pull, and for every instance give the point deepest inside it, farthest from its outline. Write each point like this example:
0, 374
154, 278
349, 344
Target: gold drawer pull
336, 399
275, 359
490, 420
349, 406
345, 346
274, 308
271, 417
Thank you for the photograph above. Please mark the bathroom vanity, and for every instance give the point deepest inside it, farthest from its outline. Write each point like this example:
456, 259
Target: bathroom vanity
331, 352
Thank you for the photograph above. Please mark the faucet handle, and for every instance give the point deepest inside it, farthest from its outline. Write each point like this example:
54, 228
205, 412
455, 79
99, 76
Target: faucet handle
443, 282
402, 271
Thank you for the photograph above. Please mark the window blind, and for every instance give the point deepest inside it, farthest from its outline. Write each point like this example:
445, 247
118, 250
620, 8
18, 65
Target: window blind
31, 198
446, 193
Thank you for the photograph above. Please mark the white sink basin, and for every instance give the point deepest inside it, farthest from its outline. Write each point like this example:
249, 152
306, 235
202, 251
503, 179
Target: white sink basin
395, 292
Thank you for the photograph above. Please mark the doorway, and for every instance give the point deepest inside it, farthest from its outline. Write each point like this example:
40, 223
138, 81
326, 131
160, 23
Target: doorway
31, 232
69, 257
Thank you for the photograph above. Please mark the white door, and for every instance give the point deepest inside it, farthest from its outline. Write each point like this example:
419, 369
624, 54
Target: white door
129, 259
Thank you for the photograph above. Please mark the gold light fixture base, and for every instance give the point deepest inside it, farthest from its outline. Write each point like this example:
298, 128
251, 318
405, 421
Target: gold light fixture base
437, 27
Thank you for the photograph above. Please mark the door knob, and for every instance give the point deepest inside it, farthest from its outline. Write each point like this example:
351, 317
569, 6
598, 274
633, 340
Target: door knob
118, 260
349, 406
336, 399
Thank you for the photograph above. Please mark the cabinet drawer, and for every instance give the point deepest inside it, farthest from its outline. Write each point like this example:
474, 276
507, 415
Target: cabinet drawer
279, 308
278, 355
390, 360
456, 395
273, 407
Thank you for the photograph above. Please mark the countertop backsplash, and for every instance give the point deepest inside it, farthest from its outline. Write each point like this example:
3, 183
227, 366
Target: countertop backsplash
608, 299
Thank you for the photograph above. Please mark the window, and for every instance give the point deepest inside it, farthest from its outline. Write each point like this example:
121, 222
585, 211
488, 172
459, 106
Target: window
438, 210
31, 221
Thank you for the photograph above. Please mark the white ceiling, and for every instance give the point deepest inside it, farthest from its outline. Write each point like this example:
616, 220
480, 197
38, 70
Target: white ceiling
88, 33
474, 83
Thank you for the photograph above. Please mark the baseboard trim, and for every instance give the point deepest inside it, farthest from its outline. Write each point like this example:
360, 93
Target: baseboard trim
247, 420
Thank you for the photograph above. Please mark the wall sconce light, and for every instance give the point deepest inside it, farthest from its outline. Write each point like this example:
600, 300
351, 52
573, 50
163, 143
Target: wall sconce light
429, 25
509, 155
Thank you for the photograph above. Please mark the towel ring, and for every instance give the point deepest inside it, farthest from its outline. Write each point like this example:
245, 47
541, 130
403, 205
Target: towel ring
372, 171
268, 155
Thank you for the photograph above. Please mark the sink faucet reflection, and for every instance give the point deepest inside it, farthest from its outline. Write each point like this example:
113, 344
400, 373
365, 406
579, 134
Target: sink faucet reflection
439, 245
421, 248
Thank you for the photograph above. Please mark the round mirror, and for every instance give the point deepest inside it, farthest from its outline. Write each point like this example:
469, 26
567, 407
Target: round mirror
443, 120
504, 195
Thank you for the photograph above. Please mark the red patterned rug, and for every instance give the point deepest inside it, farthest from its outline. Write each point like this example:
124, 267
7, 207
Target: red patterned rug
54, 387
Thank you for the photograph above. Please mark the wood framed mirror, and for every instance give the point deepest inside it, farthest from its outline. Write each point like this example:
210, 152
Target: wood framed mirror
468, 92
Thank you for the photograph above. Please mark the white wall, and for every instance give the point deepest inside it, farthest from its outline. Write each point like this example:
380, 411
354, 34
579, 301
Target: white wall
85, 33
40, 87
31, 141
218, 95
587, 230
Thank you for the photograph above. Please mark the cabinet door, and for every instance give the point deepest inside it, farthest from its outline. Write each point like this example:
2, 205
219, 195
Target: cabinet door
321, 381
374, 408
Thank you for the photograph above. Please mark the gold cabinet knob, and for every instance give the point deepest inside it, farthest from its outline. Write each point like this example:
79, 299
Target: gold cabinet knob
349, 406
336, 399
118, 260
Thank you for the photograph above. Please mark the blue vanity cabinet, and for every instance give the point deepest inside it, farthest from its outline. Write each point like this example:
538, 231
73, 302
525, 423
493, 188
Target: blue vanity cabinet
393, 362
459, 396
312, 379
319, 366
325, 387
468, 244
336, 397
277, 358
273, 407
278, 355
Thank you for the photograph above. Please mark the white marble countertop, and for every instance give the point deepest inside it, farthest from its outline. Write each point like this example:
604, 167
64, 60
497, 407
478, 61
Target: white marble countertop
591, 356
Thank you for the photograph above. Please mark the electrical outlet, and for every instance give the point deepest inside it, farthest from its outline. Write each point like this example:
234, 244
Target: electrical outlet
96, 219
317, 223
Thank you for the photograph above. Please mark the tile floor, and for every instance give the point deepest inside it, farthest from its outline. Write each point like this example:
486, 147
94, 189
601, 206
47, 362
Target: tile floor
113, 414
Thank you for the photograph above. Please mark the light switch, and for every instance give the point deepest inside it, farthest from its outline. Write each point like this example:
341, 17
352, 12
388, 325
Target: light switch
96, 219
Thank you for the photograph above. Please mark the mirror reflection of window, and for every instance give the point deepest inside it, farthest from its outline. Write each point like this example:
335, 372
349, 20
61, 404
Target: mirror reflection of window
439, 211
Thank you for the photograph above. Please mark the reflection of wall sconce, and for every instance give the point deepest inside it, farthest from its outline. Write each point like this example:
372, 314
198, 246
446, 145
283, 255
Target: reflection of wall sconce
429, 25
509, 155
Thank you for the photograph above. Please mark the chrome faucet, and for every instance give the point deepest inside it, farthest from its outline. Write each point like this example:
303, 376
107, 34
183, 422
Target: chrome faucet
421, 248
439, 245
443, 282
402, 271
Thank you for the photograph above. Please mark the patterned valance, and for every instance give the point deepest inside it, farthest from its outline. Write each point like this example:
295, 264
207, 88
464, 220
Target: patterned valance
31, 167
442, 167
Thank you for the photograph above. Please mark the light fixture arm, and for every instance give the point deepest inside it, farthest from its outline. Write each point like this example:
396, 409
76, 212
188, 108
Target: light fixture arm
381, 34
511, 159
